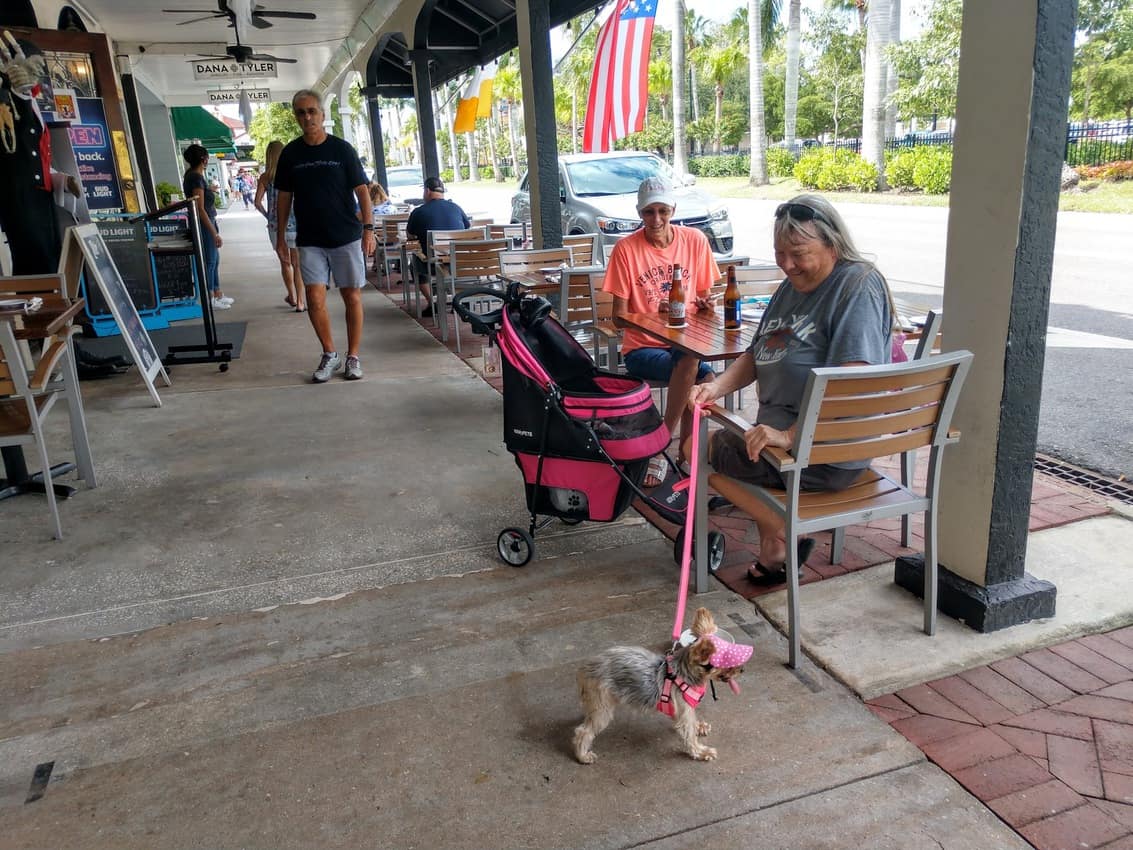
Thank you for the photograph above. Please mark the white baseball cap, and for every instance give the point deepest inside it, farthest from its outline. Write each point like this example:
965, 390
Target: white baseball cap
655, 190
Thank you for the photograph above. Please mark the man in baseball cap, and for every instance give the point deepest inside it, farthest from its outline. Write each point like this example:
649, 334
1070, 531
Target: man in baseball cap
436, 213
639, 276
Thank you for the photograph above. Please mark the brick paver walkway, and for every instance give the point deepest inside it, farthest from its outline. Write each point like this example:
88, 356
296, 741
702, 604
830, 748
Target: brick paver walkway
1044, 739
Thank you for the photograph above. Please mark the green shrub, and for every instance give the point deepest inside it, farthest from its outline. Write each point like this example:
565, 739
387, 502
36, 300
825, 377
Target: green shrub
928, 168
933, 170
829, 170
165, 192
722, 165
780, 162
899, 168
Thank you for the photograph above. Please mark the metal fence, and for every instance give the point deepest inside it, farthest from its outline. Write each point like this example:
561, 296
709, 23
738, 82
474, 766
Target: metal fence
1098, 145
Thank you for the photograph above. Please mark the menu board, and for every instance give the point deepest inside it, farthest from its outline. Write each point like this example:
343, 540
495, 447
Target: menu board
127, 244
101, 266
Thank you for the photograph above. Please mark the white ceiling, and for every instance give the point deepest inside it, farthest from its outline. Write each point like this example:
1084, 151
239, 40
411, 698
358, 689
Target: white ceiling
160, 49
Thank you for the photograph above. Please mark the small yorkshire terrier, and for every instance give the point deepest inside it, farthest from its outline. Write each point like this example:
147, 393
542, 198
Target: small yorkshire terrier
671, 684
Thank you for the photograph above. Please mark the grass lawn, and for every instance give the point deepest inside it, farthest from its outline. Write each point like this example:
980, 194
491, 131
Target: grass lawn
1102, 197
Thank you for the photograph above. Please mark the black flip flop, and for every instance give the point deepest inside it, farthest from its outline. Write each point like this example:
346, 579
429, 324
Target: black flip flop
765, 575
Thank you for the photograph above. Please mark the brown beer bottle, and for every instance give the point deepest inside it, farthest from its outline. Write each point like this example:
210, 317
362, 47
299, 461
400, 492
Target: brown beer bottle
733, 316
677, 307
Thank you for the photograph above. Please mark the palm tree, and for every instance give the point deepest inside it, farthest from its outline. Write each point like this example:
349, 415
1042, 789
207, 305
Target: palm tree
507, 83
661, 85
680, 63
873, 100
720, 61
757, 172
791, 92
891, 70
696, 28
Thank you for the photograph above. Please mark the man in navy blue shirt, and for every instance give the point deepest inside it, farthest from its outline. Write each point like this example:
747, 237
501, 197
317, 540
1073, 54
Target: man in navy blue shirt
324, 177
437, 213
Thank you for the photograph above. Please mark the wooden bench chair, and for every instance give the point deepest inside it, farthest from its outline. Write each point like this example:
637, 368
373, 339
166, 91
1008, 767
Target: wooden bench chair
468, 263
387, 251
586, 248
27, 398
928, 343
847, 414
433, 253
577, 309
533, 260
517, 233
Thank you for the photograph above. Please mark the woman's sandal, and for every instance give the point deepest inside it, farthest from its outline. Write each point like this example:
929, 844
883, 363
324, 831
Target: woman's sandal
765, 575
289, 300
657, 470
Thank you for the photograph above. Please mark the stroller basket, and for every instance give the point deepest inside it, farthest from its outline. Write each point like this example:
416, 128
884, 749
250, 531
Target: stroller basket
581, 437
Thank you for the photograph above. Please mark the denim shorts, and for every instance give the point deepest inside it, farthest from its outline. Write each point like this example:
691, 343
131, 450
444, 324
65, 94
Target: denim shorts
656, 364
345, 263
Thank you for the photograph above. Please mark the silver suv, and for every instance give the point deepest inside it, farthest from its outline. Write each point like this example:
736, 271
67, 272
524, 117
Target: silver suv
599, 194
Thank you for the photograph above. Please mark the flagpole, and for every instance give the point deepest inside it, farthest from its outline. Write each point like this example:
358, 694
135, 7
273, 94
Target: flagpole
585, 30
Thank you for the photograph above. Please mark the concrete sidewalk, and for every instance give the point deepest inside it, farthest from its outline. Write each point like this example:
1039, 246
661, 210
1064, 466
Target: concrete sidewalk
280, 621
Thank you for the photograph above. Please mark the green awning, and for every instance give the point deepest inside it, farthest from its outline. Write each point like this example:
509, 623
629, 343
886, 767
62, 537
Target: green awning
194, 123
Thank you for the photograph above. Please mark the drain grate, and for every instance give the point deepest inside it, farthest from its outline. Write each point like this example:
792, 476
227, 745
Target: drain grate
1092, 481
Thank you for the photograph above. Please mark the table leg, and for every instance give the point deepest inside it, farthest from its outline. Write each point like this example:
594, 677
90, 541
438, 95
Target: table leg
19, 482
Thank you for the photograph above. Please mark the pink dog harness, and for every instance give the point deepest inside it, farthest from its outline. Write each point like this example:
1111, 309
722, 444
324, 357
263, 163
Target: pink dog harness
727, 654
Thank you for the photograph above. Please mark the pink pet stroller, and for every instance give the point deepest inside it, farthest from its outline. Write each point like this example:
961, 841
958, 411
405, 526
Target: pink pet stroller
581, 437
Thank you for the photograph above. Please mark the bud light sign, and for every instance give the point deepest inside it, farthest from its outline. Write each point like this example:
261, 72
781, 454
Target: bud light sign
95, 156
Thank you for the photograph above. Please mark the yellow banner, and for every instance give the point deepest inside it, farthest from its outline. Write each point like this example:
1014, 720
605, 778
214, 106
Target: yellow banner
465, 115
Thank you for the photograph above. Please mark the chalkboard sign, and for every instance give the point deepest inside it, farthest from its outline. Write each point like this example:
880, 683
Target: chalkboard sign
101, 266
175, 279
127, 244
173, 269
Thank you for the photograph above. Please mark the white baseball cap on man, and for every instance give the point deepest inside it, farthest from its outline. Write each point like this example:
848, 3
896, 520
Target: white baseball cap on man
655, 190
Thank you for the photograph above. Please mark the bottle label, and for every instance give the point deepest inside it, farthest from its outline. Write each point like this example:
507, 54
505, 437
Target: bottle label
733, 313
676, 314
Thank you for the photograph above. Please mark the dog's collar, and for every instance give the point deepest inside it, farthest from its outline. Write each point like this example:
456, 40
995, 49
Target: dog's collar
692, 694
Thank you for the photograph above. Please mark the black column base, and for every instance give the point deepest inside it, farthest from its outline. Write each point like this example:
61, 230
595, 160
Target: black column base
985, 609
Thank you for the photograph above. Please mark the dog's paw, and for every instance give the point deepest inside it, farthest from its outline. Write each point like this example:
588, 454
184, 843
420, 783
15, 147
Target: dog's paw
704, 753
703, 728
586, 758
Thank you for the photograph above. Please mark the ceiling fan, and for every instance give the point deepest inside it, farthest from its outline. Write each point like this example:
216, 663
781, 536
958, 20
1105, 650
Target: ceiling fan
243, 53
245, 10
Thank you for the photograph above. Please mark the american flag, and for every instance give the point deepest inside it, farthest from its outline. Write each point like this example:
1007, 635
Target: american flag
619, 85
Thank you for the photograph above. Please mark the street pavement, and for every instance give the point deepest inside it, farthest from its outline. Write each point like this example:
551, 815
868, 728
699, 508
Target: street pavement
1090, 336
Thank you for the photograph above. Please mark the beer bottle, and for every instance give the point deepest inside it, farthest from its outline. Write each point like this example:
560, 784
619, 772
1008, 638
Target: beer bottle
733, 316
677, 300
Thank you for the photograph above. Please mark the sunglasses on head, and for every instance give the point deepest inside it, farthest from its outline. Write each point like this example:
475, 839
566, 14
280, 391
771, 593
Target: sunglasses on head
799, 212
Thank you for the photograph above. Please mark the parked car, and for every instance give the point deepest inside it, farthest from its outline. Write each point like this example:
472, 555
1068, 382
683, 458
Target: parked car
598, 192
406, 185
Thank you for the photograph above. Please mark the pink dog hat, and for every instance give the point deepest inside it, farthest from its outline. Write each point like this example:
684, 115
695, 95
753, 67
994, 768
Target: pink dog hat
728, 654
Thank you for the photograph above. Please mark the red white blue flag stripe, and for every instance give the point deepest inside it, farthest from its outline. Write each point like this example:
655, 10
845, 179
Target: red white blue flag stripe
619, 86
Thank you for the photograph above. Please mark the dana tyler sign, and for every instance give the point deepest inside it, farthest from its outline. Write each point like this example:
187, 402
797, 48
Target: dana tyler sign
233, 95
219, 69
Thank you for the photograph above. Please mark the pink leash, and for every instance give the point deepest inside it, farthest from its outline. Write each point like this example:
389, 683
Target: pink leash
690, 503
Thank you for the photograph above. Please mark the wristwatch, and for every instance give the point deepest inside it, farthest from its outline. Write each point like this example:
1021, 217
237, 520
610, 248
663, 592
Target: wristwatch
367, 227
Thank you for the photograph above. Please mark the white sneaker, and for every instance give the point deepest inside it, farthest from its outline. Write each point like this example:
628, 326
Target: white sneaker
226, 299
221, 304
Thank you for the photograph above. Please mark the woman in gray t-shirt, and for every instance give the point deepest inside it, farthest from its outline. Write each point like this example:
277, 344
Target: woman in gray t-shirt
833, 309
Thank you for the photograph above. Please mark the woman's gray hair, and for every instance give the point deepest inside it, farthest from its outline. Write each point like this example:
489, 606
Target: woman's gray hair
306, 93
831, 229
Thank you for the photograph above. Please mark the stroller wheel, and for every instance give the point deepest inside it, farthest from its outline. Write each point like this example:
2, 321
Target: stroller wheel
715, 549
570, 520
515, 546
